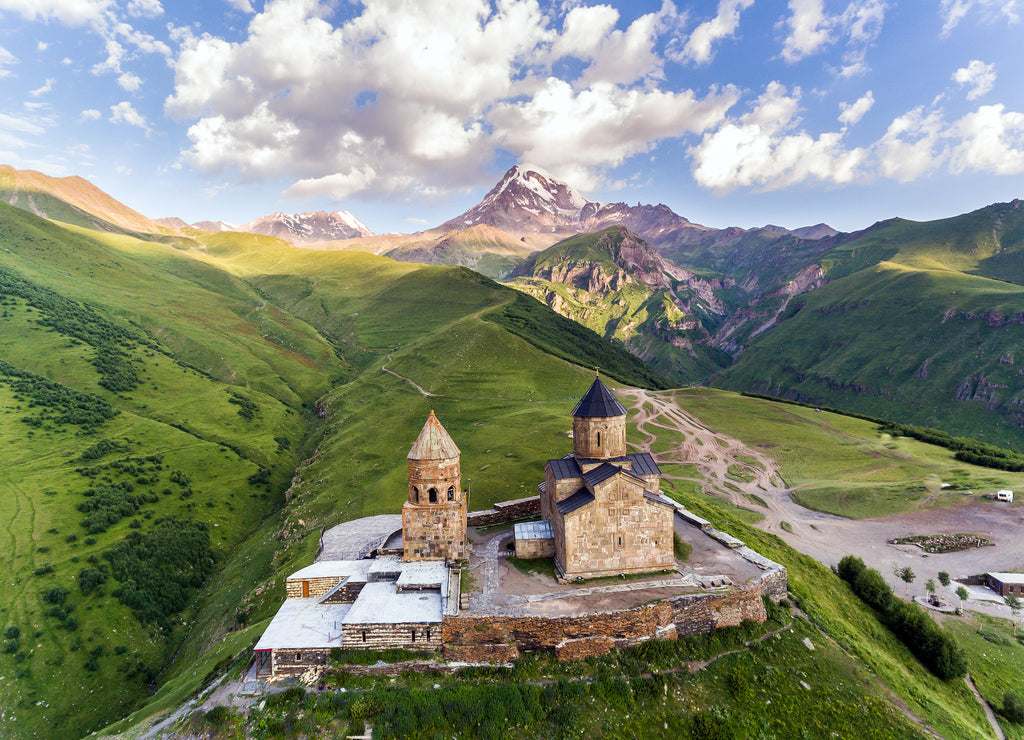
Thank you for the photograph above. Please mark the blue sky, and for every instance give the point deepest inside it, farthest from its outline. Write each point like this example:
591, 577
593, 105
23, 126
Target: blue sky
404, 112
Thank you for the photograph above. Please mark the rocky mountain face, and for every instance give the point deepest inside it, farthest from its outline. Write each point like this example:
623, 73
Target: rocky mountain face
617, 284
527, 200
309, 227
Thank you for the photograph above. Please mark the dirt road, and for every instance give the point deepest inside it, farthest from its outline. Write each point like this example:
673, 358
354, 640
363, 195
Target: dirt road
733, 471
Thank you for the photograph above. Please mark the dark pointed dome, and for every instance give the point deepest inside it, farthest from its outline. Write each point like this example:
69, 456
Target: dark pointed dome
599, 401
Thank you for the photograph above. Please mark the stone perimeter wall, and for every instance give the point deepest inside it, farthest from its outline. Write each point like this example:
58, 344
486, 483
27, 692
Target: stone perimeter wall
500, 638
506, 511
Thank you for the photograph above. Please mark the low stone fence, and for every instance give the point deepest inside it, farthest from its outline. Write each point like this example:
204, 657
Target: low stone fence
505, 511
500, 638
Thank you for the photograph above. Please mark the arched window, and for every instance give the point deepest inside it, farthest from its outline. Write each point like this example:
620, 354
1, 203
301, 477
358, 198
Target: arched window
451, 493
433, 495
415, 495
599, 439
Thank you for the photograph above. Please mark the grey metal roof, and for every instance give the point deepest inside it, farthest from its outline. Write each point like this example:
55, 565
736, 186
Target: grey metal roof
1007, 577
579, 499
599, 460
599, 401
382, 603
601, 473
534, 530
659, 499
643, 464
304, 623
606, 471
565, 467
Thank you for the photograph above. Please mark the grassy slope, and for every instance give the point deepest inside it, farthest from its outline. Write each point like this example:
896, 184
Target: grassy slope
843, 465
906, 328
205, 318
995, 650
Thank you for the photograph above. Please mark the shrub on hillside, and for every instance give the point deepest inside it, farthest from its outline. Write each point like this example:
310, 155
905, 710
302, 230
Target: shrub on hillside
935, 648
1013, 707
160, 567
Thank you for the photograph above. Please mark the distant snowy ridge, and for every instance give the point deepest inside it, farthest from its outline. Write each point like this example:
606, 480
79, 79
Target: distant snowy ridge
308, 227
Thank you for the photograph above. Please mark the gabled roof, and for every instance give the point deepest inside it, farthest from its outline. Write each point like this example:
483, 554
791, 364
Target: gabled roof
434, 443
579, 499
604, 472
565, 467
643, 463
598, 402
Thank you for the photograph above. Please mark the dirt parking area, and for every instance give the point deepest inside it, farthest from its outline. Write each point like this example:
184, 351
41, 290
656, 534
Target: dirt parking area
826, 537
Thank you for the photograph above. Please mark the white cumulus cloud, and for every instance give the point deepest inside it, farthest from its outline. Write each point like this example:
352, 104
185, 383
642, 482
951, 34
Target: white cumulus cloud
418, 98
850, 113
977, 75
991, 139
808, 29
954, 11
69, 12
700, 46
766, 149
46, 87
145, 8
812, 30
124, 112
129, 82
91, 114
6, 60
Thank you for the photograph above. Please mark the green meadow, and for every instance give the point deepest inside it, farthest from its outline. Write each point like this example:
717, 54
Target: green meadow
844, 465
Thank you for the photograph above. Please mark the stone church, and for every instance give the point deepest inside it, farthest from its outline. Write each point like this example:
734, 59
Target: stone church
602, 510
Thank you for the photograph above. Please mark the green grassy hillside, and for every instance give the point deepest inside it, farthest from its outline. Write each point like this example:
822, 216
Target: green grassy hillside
921, 322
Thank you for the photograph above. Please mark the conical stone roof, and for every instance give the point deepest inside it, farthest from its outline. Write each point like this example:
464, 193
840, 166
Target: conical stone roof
434, 443
598, 402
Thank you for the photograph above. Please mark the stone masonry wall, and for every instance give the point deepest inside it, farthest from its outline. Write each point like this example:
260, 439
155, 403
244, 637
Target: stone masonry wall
407, 635
595, 634
621, 532
775, 584
602, 437
294, 662
535, 548
505, 511
434, 532
317, 586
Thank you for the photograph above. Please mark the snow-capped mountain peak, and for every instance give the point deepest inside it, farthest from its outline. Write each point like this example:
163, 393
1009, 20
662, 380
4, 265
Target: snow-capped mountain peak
527, 199
308, 227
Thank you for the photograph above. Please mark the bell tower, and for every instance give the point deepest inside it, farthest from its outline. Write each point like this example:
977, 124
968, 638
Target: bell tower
434, 514
598, 426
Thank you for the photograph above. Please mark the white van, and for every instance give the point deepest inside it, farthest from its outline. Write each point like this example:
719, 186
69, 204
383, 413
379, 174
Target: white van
1004, 495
